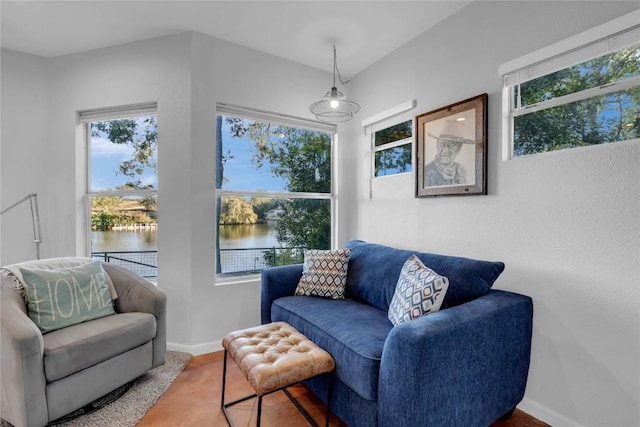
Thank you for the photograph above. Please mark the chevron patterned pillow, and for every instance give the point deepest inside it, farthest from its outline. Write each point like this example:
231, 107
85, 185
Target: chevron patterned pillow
419, 291
324, 273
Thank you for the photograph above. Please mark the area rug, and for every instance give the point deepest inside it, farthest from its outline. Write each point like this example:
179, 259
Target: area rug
131, 406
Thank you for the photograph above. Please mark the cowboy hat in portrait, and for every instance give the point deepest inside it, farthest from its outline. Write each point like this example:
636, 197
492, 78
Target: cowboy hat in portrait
444, 169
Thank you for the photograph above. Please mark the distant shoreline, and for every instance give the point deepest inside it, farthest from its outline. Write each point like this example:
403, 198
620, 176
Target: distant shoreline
134, 227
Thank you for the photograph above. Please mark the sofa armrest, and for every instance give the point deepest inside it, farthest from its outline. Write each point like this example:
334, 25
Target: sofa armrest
277, 282
466, 365
136, 294
22, 394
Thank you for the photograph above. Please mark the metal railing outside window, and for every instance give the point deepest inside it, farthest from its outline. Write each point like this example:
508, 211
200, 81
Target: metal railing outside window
234, 261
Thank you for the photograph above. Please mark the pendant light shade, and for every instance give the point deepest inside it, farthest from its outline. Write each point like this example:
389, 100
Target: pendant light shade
334, 106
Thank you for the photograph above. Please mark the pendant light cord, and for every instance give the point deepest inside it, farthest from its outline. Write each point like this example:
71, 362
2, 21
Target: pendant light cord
336, 70
335, 66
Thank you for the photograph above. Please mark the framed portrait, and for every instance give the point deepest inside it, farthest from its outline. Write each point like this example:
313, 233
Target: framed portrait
452, 149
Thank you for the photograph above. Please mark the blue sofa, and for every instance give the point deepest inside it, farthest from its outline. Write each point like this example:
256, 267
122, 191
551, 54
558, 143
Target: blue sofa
465, 365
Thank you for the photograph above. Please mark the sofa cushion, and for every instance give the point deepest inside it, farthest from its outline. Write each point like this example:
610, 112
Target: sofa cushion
80, 346
324, 273
419, 291
351, 331
374, 270
67, 296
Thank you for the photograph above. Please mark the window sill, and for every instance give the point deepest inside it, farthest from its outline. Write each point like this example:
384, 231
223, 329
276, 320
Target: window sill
236, 280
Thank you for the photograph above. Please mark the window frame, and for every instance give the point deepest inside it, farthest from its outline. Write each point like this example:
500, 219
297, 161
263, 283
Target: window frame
395, 115
291, 121
608, 37
390, 145
85, 118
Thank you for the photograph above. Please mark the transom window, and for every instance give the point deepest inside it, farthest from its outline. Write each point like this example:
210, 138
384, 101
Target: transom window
392, 149
274, 190
561, 97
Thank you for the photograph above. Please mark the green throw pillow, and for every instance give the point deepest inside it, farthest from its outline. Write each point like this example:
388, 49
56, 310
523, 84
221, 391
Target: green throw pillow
65, 297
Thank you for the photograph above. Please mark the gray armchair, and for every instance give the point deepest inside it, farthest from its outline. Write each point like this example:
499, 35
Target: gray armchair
45, 377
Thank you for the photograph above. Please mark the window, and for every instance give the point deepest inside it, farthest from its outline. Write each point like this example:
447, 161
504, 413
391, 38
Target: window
274, 189
579, 92
122, 186
391, 133
392, 149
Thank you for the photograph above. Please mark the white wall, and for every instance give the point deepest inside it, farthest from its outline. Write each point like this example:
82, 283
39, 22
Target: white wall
154, 70
186, 74
566, 224
228, 73
25, 108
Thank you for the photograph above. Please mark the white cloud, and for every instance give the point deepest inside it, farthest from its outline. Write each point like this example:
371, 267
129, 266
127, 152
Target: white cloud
149, 180
103, 148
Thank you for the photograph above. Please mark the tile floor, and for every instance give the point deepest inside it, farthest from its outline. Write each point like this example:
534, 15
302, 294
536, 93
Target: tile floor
194, 400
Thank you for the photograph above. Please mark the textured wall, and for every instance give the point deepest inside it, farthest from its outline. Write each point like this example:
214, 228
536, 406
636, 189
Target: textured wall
565, 224
186, 75
25, 108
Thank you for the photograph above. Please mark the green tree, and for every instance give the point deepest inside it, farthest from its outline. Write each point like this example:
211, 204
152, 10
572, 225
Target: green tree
149, 203
103, 212
219, 180
305, 223
107, 212
236, 210
393, 160
262, 205
105, 204
141, 135
397, 159
303, 158
597, 120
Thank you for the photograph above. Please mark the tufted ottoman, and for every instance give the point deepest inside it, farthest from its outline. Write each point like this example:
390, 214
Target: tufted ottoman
273, 357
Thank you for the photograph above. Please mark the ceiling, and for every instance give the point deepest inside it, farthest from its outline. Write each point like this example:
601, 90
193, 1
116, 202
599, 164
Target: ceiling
301, 31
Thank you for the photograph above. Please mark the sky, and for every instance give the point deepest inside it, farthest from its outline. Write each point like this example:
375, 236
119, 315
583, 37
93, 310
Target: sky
239, 172
105, 157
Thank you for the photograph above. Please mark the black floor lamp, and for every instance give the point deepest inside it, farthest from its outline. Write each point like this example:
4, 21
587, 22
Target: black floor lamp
35, 218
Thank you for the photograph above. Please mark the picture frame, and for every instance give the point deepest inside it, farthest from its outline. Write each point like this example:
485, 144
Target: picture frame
452, 149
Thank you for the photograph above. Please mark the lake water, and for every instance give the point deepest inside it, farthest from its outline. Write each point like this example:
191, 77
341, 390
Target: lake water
231, 237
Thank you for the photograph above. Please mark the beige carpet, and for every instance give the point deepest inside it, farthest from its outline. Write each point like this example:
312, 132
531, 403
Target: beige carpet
129, 408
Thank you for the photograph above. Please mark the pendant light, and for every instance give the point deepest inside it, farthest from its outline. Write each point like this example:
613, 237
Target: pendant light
334, 106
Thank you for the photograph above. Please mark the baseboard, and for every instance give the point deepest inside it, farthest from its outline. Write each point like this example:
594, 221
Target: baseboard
527, 405
198, 349
545, 414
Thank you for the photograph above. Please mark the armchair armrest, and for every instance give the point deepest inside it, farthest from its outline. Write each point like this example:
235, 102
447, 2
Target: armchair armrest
22, 396
277, 282
465, 365
138, 294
